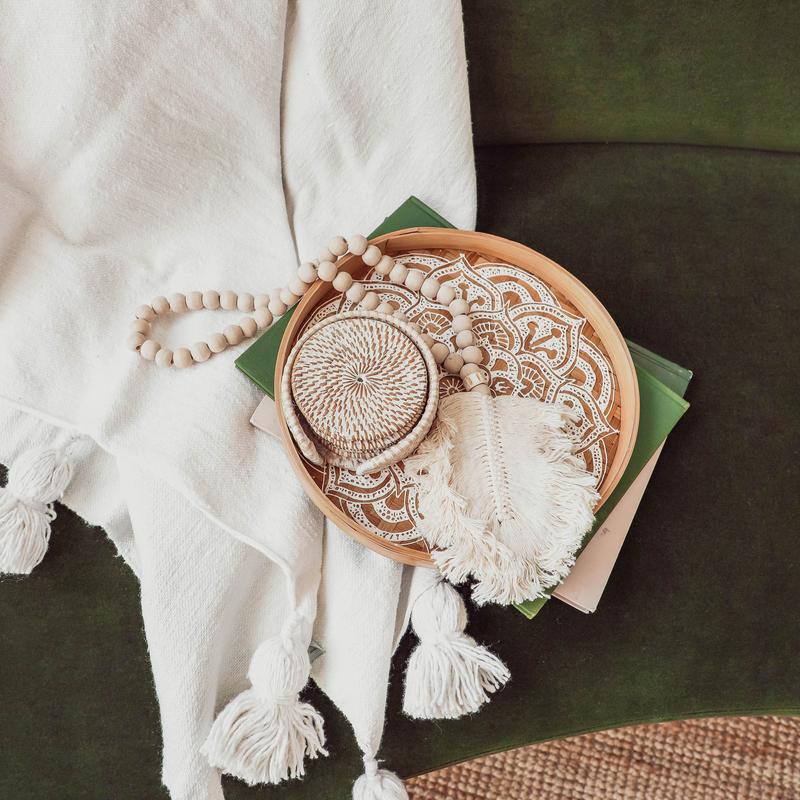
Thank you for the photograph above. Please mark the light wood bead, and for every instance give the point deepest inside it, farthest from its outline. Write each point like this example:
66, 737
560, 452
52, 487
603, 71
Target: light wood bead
338, 245
458, 306
234, 334
288, 297
307, 272
385, 265
370, 301
217, 342
246, 302
453, 363
326, 255
298, 287
177, 303
277, 307
343, 281
160, 304
468, 369
182, 358
227, 300
482, 388
357, 245
428, 339
164, 357
149, 349
327, 271
430, 288
146, 313
372, 255
398, 274
261, 301
140, 326
356, 293
135, 340
461, 322
414, 279
472, 354
440, 352
249, 326
263, 318
200, 352
386, 307
194, 301
211, 300
401, 315
445, 295
465, 339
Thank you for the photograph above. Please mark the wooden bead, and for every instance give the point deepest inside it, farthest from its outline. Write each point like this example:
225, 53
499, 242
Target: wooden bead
461, 322
194, 301
472, 354
200, 352
261, 301
164, 357
234, 334
227, 300
430, 288
277, 307
249, 326
370, 301
327, 271
211, 299
160, 304
415, 279
428, 339
177, 303
307, 272
357, 245
440, 352
386, 307
326, 255
288, 297
246, 302
401, 315
468, 369
465, 339
372, 255
263, 318
458, 306
149, 349
445, 295
338, 245
482, 388
385, 265
135, 341
182, 358
343, 281
356, 293
398, 273
140, 326
298, 287
453, 363
145, 312
217, 342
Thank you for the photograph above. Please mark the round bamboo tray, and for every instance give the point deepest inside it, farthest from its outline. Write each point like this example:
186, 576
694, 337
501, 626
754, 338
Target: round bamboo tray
543, 333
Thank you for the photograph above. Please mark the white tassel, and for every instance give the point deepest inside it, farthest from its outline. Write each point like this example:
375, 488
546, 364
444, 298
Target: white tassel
36, 480
264, 734
448, 674
503, 497
378, 784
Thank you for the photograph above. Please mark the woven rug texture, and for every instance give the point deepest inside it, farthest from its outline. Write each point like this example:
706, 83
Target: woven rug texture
748, 758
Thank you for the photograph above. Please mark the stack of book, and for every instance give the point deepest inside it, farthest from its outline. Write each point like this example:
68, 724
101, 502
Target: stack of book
662, 386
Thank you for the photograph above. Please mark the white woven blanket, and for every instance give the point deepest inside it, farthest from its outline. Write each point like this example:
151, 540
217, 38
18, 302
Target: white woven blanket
148, 148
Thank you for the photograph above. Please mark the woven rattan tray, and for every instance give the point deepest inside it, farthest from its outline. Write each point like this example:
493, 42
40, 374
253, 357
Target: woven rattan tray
544, 335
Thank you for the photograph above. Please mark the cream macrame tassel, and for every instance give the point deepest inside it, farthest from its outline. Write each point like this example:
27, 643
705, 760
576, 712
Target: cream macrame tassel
378, 784
264, 734
36, 480
448, 674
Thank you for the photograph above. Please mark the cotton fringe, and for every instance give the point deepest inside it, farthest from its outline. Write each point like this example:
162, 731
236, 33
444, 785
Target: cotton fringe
36, 480
449, 674
502, 495
264, 734
378, 784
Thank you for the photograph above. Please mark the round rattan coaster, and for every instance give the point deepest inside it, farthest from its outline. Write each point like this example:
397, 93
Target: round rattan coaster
544, 335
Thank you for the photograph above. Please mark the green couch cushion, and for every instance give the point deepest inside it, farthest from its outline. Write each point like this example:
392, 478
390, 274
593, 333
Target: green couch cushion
694, 251
721, 73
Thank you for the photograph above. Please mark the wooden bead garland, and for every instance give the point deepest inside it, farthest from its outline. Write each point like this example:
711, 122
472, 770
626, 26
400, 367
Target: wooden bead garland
265, 308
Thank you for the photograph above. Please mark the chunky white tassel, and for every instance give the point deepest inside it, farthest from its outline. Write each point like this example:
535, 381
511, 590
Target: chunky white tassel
36, 480
448, 674
502, 495
264, 734
378, 784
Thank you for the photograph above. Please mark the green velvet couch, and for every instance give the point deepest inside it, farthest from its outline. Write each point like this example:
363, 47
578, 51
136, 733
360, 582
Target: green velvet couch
653, 150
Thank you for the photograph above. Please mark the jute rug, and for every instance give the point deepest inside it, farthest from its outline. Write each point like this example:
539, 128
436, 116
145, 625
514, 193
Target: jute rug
755, 758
